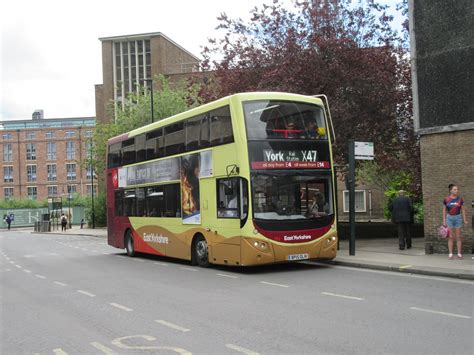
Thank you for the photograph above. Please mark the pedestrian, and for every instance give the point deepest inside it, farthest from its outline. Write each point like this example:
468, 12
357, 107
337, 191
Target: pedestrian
8, 221
454, 214
402, 215
63, 222
82, 223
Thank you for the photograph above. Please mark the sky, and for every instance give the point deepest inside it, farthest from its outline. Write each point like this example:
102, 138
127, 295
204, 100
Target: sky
50, 53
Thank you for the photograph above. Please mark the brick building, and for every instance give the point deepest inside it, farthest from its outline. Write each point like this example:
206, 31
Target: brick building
45, 157
128, 60
442, 50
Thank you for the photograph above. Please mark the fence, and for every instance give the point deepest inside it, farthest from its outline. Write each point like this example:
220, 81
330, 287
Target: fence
27, 217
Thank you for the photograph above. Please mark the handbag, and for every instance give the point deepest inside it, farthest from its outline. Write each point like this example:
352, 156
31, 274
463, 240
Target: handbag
443, 231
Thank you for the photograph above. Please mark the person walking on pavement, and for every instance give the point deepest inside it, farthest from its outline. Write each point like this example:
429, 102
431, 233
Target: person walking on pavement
402, 215
63, 222
8, 221
453, 208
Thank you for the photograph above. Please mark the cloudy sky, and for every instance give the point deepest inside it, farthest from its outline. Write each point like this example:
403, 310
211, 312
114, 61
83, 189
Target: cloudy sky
51, 56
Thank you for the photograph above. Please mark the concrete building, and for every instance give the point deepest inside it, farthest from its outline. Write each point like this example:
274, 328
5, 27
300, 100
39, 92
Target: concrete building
127, 61
442, 50
45, 157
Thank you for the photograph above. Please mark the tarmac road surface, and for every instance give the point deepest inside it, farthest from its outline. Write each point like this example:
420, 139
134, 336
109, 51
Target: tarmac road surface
64, 294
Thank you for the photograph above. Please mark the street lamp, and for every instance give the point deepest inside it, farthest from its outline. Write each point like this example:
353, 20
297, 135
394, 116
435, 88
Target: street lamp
69, 198
151, 86
92, 182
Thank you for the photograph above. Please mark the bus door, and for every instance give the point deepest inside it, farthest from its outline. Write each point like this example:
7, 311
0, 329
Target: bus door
231, 202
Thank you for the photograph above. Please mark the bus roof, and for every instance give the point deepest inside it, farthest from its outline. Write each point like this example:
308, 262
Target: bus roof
211, 105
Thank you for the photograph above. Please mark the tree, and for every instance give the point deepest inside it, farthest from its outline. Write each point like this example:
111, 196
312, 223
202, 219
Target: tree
347, 51
135, 113
390, 181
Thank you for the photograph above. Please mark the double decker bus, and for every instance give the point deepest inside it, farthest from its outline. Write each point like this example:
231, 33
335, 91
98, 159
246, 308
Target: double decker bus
244, 180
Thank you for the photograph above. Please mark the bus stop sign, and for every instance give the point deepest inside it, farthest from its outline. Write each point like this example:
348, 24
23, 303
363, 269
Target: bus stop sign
364, 150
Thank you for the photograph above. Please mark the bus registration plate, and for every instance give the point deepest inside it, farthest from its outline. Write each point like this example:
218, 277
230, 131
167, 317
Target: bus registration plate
297, 256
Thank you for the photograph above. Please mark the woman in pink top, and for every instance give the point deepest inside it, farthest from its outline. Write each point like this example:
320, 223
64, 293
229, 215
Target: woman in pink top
453, 207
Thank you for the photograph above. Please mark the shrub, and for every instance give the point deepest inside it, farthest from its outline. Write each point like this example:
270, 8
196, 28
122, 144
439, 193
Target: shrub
100, 210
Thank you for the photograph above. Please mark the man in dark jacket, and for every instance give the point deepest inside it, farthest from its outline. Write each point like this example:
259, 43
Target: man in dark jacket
402, 214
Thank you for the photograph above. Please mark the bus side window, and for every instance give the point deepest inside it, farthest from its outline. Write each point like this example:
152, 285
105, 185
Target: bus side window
228, 204
129, 203
154, 144
118, 202
205, 128
174, 139
192, 133
140, 200
155, 203
172, 200
140, 148
113, 158
128, 151
221, 126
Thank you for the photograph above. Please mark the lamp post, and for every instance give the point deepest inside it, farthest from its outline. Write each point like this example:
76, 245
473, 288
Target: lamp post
151, 86
92, 182
69, 198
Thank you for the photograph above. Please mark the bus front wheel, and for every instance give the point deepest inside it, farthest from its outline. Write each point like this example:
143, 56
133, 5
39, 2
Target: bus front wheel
129, 243
200, 252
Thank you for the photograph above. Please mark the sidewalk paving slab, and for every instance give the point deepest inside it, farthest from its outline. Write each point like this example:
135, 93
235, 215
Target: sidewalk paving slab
383, 254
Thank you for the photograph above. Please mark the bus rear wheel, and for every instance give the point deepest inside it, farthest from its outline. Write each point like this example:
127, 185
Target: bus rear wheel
129, 243
200, 251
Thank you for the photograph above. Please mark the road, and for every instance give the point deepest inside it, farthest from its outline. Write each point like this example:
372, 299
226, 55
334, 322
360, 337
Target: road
65, 294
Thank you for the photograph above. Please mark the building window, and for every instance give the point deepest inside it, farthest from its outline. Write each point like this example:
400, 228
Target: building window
71, 172
8, 193
49, 135
8, 174
89, 173
51, 151
52, 190
88, 134
32, 192
70, 134
31, 173
131, 64
89, 190
359, 201
30, 135
70, 151
71, 189
8, 152
7, 136
31, 151
51, 168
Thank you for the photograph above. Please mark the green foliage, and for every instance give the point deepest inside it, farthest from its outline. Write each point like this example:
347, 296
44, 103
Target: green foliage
77, 200
401, 181
22, 203
419, 212
136, 112
100, 210
390, 182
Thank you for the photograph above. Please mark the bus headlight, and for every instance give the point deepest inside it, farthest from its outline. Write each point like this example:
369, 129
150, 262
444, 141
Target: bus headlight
260, 245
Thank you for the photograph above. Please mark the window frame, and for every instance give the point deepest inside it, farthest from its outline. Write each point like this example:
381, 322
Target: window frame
10, 174
31, 173
7, 152
344, 198
8, 196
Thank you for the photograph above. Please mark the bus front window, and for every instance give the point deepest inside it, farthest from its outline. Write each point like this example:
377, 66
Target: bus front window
285, 197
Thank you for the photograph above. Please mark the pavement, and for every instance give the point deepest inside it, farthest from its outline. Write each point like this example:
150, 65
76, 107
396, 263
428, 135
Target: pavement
377, 254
